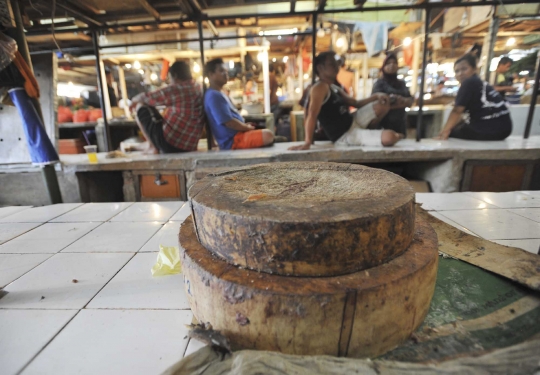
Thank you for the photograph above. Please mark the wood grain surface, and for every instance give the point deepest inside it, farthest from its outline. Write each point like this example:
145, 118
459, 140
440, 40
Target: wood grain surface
363, 314
304, 219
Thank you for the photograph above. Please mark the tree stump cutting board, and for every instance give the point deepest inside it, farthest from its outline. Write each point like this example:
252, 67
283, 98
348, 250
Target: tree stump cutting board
304, 219
363, 314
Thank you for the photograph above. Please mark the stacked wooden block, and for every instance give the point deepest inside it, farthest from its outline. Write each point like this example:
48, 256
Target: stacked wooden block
308, 258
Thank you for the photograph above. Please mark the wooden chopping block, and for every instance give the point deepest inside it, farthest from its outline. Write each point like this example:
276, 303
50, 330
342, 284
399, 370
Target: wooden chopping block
363, 314
304, 219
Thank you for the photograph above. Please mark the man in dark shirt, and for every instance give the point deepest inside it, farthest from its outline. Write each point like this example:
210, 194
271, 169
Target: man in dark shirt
486, 115
503, 84
329, 104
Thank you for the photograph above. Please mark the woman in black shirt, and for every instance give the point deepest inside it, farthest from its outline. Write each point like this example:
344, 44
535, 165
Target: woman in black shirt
399, 94
480, 112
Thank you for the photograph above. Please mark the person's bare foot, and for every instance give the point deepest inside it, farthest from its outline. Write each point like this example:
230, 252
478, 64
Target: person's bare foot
151, 151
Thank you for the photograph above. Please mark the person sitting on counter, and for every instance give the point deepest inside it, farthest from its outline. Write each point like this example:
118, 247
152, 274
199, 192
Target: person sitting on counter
329, 104
400, 97
228, 126
180, 128
504, 84
480, 112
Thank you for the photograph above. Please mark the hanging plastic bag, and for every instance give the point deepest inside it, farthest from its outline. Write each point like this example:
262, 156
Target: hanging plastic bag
168, 261
8, 48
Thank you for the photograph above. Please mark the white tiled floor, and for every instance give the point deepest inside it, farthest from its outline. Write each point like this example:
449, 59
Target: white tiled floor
508, 200
50, 285
9, 231
167, 236
7, 211
23, 333
116, 342
182, 213
93, 212
135, 288
441, 217
529, 213
149, 211
495, 224
115, 237
126, 321
14, 265
454, 201
40, 214
48, 238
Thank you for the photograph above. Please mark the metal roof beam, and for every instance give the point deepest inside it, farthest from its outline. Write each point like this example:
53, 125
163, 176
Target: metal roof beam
75, 13
150, 9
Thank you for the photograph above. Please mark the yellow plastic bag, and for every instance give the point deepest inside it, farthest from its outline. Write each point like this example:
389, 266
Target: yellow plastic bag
168, 261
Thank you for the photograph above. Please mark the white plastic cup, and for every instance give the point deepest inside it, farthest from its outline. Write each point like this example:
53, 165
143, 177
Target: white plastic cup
91, 152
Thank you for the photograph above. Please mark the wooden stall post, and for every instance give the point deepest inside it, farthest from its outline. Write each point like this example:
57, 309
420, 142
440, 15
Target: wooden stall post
415, 63
489, 50
365, 74
423, 77
102, 85
534, 96
123, 90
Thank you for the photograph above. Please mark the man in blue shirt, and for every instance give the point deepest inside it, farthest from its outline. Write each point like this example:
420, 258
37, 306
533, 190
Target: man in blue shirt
228, 126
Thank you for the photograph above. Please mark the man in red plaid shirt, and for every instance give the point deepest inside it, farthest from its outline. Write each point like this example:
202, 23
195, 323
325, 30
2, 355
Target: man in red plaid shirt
182, 123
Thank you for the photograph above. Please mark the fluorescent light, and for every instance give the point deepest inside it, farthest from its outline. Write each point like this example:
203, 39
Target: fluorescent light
524, 73
261, 56
511, 42
141, 71
306, 76
153, 77
274, 59
285, 59
128, 66
400, 76
196, 68
231, 64
137, 65
407, 41
56, 20
206, 80
427, 96
297, 90
278, 32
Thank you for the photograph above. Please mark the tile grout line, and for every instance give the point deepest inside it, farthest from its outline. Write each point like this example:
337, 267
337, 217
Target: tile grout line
522, 215
108, 281
94, 221
29, 230
453, 221
47, 343
47, 221
14, 213
37, 265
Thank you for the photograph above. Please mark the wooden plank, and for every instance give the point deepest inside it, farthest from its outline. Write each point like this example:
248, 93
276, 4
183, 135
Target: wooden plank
510, 262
